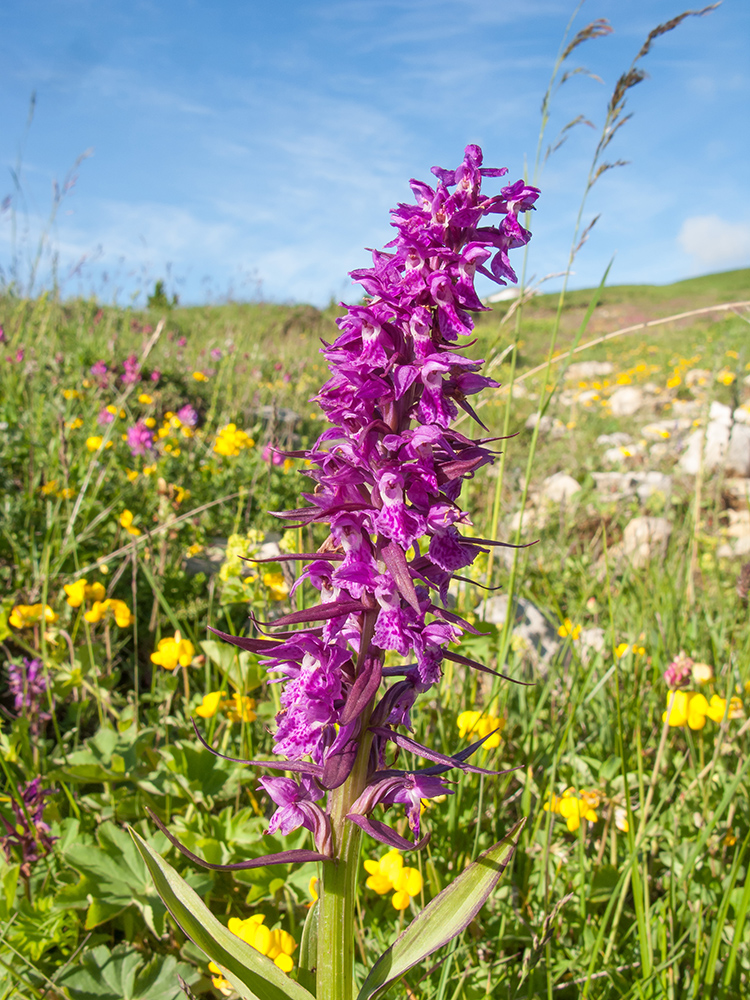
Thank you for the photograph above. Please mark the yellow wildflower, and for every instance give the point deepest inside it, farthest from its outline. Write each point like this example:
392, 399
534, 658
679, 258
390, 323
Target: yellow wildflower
150, 423
230, 441
81, 590
73, 425
732, 354
239, 708
132, 475
621, 649
278, 588
278, 945
725, 376
173, 651
210, 704
200, 377
475, 725
689, 708
390, 874
149, 470
674, 381
313, 888
569, 629
26, 615
49, 487
145, 398
574, 806
120, 610
126, 521
94, 442
71, 394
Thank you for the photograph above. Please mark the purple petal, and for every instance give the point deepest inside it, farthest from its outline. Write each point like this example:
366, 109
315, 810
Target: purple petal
385, 834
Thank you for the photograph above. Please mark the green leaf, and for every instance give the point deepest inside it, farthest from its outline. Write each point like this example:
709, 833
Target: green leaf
444, 917
103, 974
254, 976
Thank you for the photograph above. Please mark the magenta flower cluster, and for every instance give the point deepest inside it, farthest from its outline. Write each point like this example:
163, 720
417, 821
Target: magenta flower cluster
29, 836
28, 685
140, 438
387, 475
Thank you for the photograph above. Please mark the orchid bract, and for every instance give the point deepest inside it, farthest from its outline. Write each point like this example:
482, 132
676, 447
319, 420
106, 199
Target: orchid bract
386, 479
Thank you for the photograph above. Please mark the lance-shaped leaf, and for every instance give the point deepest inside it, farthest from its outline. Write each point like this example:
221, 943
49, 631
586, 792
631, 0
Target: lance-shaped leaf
444, 917
282, 858
254, 976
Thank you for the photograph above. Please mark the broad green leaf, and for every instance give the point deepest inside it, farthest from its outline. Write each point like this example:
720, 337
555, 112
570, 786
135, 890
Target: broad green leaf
119, 974
308, 949
254, 976
444, 917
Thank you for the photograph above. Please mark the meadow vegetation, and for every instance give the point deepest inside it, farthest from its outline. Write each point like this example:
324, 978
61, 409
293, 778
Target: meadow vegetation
141, 452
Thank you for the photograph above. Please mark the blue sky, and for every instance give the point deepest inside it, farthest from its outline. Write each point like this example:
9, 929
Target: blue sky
255, 148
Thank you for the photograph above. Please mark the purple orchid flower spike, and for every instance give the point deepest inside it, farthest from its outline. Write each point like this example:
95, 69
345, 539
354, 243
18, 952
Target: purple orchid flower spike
386, 478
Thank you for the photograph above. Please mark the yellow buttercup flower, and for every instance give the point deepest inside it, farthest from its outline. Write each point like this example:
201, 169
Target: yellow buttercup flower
569, 629
173, 651
145, 398
26, 615
126, 521
389, 874
100, 609
278, 588
210, 704
475, 725
239, 708
277, 944
200, 377
574, 806
230, 441
80, 591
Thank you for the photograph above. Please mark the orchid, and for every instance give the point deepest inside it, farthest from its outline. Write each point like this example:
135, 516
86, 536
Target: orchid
387, 475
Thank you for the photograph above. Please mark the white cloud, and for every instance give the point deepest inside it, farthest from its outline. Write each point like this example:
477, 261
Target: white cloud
711, 240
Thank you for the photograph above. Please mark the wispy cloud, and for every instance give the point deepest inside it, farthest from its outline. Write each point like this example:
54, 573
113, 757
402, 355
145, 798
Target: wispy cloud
714, 242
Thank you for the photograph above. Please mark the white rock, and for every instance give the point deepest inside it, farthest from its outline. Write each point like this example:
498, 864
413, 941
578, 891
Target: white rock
738, 488
738, 452
583, 370
616, 456
591, 641
739, 523
537, 634
714, 450
545, 422
736, 550
685, 407
697, 376
534, 519
626, 401
742, 414
720, 414
586, 397
616, 439
620, 485
560, 487
645, 538
662, 430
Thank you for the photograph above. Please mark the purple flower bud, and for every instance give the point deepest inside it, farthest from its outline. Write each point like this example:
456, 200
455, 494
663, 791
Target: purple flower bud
29, 835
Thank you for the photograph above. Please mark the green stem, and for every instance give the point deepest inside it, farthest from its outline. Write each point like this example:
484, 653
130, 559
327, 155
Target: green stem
335, 971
